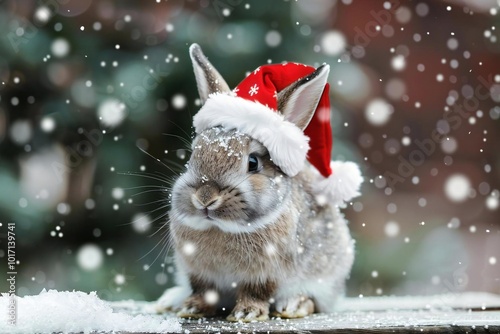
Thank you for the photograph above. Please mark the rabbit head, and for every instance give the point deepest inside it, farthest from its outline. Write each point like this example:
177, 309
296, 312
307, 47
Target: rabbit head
232, 181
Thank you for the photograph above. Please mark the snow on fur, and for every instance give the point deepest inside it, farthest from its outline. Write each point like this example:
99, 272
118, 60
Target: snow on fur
75, 312
286, 143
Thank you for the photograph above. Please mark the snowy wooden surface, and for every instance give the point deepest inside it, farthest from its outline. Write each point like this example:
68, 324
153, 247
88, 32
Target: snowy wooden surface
79, 312
362, 322
451, 313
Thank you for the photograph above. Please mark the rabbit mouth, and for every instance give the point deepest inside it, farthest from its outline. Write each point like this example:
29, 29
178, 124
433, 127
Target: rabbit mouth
213, 217
201, 222
206, 214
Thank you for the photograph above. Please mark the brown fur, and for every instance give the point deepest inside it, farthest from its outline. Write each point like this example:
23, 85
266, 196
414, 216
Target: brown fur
307, 240
257, 291
240, 253
255, 235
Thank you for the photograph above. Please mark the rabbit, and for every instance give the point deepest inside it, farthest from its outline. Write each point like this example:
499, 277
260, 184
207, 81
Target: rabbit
244, 232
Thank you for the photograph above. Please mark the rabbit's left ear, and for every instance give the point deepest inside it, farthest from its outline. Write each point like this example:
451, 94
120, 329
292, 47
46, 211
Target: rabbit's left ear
298, 102
209, 81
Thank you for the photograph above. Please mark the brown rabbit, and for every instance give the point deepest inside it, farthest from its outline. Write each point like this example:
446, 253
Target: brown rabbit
252, 222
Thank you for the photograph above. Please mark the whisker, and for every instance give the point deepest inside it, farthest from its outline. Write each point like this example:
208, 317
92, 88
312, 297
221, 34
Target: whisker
158, 208
178, 165
151, 203
156, 159
147, 176
149, 191
165, 246
182, 139
145, 186
180, 128
157, 244
161, 228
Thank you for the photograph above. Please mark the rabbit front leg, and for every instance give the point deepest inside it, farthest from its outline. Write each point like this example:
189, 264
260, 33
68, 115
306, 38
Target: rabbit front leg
252, 303
202, 302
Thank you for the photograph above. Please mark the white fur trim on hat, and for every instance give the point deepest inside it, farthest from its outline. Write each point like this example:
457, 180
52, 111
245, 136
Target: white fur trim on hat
342, 186
286, 143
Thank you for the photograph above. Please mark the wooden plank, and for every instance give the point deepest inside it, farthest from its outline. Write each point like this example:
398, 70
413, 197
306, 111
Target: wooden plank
469, 312
460, 301
361, 322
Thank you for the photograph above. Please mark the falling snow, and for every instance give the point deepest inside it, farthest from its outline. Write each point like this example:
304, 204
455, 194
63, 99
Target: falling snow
48, 124
421, 105
333, 43
189, 248
398, 62
457, 187
179, 101
273, 38
378, 112
211, 297
89, 257
391, 229
60, 47
43, 14
141, 223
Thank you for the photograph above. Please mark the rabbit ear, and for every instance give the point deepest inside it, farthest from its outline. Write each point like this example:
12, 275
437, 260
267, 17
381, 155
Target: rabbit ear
207, 78
298, 101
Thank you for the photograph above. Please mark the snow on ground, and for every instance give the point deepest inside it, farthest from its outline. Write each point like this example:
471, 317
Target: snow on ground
366, 322
464, 300
75, 312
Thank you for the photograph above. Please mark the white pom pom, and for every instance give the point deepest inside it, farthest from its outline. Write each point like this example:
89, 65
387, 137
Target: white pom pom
343, 185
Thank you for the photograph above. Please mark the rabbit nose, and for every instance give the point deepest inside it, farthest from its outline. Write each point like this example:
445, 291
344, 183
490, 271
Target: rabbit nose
206, 197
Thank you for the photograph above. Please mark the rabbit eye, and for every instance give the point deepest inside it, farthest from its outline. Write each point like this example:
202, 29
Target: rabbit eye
253, 163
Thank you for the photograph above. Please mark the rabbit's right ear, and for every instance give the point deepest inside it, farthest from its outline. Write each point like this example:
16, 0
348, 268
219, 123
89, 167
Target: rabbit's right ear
298, 102
207, 78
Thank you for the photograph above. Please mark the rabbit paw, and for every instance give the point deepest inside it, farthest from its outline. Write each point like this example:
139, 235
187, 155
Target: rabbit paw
249, 312
297, 307
172, 299
196, 307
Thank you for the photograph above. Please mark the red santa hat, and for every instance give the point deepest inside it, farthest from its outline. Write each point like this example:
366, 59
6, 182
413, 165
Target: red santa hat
252, 108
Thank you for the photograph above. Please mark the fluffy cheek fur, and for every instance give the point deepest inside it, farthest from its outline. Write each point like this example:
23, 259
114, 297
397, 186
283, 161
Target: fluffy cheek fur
182, 209
245, 201
249, 204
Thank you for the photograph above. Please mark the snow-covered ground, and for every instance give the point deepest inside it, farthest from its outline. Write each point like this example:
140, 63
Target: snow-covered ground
77, 312
464, 301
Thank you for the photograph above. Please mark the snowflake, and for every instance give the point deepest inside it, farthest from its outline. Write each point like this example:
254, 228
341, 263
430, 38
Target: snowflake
256, 70
253, 90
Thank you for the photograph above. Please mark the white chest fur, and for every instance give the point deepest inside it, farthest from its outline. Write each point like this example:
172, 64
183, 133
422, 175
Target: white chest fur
228, 259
